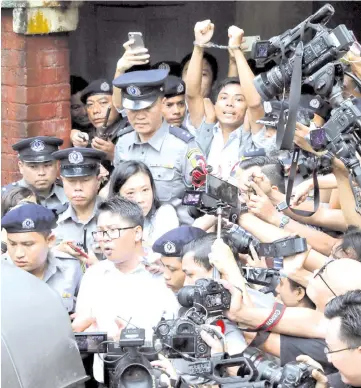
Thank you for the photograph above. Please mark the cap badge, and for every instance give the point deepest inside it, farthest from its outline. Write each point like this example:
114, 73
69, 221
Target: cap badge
104, 87
133, 91
314, 103
28, 224
169, 247
75, 157
267, 107
180, 88
164, 66
37, 145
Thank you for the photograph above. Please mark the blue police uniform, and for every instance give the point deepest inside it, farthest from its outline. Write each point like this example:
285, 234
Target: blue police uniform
171, 153
63, 276
77, 162
38, 150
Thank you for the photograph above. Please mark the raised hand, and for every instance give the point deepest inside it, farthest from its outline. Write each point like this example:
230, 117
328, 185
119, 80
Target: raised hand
132, 57
203, 31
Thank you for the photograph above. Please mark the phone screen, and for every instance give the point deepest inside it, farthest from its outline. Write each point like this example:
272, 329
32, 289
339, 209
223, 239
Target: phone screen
138, 40
318, 139
219, 189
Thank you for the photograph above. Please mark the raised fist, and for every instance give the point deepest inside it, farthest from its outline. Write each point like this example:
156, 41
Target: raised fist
235, 35
203, 31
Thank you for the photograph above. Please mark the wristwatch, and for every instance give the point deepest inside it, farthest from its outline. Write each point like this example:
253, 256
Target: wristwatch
284, 221
282, 206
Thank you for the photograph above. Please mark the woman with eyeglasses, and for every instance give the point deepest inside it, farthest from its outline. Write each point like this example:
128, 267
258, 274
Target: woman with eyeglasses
134, 181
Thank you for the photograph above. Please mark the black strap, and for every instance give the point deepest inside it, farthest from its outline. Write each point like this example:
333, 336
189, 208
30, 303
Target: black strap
259, 339
291, 179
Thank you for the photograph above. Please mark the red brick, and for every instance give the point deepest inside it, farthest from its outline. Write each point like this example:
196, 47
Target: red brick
17, 94
13, 111
47, 42
13, 129
13, 58
13, 76
36, 112
63, 109
47, 58
48, 127
47, 76
6, 20
12, 41
48, 93
8, 162
9, 176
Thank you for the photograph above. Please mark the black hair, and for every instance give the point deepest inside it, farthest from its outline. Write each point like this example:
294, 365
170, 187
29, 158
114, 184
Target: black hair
12, 197
270, 166
209, 58
224, 83
201, 247
294, 285
348, 308
77, 84
351, 241
124, 171
124, 208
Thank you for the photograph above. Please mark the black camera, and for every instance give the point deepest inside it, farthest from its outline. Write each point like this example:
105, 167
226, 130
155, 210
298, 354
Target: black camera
309, 162
279, 248
217, 192
255, 369
127, 363
206, 296
179, 337
326, 46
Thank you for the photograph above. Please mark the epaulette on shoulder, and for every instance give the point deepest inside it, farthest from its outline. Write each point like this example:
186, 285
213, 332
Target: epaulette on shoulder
124, 131
8, 187
60, 208
180, 133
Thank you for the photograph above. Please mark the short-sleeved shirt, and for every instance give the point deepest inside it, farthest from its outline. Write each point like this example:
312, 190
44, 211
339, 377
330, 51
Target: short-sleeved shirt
63, 276
166, 156
292, 347
56, 199
70, 228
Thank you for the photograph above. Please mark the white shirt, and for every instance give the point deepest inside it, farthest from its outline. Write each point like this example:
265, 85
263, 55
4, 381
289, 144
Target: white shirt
164, 220
222, 157
106, 293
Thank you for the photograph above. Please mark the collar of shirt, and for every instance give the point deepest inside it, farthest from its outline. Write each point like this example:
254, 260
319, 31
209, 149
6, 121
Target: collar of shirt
69, 213
157, 139
56, 191
53, 265
235, 134
109, 266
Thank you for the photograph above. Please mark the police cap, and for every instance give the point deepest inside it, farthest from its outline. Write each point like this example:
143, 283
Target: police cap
172, 242
79, 161
140, 89
174, 68
29, 217
174, 86
37, 149
99, 86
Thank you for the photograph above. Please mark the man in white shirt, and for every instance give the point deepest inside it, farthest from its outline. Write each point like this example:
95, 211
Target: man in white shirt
120, 286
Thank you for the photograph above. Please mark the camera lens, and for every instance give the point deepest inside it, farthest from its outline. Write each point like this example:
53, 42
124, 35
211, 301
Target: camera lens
163, 329
186, 296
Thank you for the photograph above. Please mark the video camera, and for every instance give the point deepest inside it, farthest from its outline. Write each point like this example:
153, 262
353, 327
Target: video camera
255, 370
326, 46
205, 301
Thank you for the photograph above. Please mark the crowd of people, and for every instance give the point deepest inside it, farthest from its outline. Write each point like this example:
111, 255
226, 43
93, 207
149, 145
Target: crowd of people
111, 236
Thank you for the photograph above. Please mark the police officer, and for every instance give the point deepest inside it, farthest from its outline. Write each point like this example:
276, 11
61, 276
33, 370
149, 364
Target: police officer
79, 168
39, 170
170, 152
170, 247
174, 102
30, 237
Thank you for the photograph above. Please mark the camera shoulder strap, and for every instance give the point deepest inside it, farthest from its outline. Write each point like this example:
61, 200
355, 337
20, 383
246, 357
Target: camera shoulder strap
272, 320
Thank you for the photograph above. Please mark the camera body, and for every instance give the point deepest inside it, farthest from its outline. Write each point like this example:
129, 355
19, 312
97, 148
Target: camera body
206, 296
181, 335
309, 163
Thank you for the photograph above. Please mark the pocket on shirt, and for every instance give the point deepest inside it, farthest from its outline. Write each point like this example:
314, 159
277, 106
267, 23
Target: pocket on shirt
164, 181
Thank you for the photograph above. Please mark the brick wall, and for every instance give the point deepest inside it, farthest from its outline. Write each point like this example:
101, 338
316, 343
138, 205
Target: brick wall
35, 95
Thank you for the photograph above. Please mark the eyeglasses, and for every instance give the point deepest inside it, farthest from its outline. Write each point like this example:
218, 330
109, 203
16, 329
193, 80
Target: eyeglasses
112, 234
328, 351
320, 272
